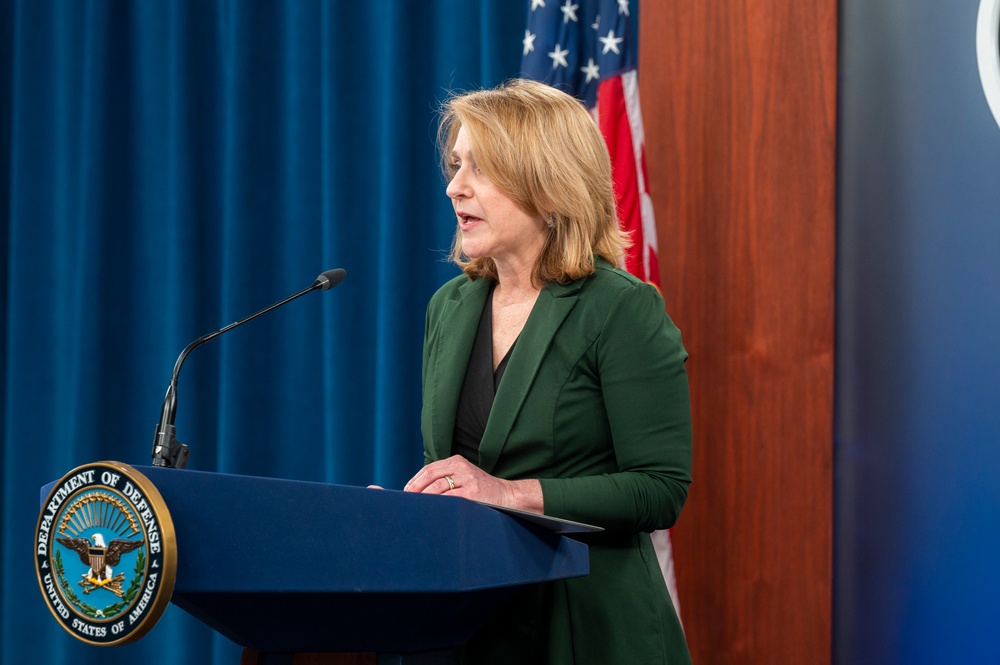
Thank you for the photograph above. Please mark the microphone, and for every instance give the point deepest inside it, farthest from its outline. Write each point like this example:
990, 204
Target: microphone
167, 450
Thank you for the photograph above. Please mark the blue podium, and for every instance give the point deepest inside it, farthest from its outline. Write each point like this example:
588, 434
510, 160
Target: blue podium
285, 567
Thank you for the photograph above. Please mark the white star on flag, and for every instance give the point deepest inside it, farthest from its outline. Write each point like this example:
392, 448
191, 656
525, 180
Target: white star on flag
569, 12
610, 42
535, 4
623, 7
529, 42
559, 57
591, 70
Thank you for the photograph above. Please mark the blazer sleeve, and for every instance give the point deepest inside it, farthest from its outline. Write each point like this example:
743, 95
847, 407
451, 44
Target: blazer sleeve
641, 367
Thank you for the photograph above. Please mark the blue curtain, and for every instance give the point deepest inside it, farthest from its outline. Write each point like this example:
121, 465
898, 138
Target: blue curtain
168, 167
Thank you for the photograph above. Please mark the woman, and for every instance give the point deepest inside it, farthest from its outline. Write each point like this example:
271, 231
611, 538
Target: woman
554, 382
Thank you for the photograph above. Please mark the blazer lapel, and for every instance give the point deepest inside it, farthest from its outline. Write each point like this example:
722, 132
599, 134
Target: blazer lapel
552, 307
456, 333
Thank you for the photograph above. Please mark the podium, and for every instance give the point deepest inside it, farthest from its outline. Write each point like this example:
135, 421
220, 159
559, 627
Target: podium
284, 567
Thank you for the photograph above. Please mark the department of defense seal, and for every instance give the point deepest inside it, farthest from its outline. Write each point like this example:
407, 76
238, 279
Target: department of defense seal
105, 553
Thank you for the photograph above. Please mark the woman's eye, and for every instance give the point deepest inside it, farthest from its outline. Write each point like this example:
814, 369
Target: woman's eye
455, 167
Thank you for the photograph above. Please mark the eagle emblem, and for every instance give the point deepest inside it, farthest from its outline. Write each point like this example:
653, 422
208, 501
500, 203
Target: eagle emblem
107, 521
100, 559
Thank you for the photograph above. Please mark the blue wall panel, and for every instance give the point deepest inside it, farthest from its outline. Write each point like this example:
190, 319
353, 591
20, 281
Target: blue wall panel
918, 340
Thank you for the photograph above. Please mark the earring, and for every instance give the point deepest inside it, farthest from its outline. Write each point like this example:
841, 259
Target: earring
551, 223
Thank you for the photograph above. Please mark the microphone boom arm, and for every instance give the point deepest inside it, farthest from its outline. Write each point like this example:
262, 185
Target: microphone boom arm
167, 450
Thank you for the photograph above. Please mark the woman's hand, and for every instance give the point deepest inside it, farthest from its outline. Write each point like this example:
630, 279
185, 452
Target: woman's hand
456, 476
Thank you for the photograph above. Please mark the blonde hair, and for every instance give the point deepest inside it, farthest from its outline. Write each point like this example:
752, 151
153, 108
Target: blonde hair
541, 148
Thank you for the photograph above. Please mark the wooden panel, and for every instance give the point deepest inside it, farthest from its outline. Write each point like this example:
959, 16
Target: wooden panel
739, 103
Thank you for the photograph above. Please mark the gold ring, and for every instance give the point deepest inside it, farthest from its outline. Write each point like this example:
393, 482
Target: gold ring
451, 483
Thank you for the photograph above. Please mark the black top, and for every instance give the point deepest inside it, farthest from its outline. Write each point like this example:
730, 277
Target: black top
478, 388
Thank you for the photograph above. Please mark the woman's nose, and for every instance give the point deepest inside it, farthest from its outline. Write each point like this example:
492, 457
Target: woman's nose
459, 185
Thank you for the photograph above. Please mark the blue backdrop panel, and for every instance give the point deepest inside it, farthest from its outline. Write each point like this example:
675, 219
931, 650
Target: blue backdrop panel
167, 168
918, 349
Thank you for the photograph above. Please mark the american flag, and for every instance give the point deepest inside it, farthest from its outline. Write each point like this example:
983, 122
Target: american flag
585, 47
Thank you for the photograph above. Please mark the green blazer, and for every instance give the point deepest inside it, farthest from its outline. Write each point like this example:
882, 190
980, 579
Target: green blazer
594, 403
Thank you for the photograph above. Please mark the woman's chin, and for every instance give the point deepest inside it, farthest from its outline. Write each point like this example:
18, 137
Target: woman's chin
473, 250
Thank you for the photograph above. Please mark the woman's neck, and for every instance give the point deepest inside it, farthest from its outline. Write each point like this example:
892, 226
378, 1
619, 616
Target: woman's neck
515, 286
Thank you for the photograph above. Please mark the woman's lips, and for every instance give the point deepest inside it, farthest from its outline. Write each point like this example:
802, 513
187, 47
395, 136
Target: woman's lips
466, 221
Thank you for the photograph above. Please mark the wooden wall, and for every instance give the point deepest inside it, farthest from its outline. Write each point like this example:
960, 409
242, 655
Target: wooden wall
739, 103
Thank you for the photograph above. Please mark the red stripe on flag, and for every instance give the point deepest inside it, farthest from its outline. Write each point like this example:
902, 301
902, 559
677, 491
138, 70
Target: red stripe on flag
616, 127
